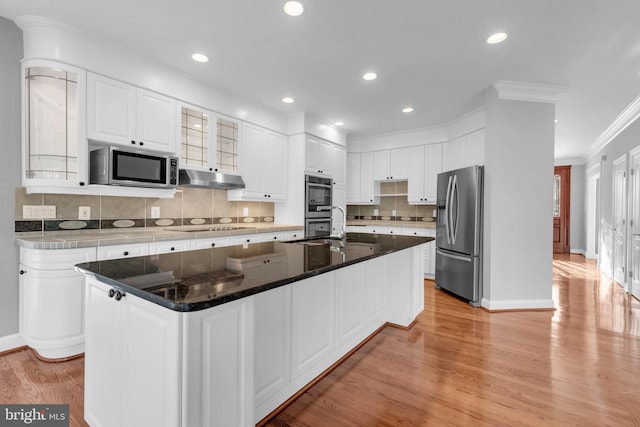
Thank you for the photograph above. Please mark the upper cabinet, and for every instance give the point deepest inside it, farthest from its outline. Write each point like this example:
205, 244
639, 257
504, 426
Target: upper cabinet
339, 166
203, 150
425, 163
353, 178
54, 145
467, 150
391, 165
264, 165
118, 113
319, 157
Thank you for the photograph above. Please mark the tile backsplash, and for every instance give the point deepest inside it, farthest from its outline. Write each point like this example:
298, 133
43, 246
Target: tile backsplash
190, 206
393, 206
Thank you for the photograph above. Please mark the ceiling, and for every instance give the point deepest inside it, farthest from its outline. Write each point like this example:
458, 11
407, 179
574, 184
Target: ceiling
428, 54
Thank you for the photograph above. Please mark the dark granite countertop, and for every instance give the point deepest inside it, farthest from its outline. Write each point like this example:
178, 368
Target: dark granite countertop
200, 279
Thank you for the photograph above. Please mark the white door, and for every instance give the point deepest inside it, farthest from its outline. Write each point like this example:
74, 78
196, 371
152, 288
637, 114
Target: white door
619, 220
634, 223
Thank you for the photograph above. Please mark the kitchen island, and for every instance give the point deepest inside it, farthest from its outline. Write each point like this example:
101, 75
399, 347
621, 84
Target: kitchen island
224, 336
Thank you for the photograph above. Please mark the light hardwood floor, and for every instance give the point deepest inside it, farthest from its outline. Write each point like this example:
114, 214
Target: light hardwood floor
578, 365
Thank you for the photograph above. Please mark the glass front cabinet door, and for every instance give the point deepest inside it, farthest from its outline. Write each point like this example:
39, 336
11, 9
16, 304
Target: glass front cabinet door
54, 143
203, 150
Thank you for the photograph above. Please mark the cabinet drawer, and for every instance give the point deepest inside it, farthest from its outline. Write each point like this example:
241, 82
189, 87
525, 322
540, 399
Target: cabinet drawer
56, 259
156, 248
213, 242
122, 251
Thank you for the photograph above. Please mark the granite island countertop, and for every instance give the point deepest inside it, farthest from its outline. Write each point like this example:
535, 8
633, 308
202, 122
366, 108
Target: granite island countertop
200, 279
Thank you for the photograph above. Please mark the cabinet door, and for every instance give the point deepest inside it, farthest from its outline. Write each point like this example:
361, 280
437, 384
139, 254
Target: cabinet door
156, 248
416, 171
276, 177
255, 153
327, 153
339, 166
367, 183
313, 320
381, 162
196, 140
398, 163
272, 323
354, 187
375, 298
122, 251
475, 148
313, 155
111, 111
350, 304
156, 121
455, 154
432, 167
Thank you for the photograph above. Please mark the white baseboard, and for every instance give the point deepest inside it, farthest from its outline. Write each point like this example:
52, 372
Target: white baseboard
524, 304
579, 252
10, 342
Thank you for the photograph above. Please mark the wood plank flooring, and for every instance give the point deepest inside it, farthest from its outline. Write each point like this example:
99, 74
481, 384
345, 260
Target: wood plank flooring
458, 366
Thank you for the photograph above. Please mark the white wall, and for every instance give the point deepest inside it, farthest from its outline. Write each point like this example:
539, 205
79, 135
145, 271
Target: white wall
519, 143
577, 221
11, 53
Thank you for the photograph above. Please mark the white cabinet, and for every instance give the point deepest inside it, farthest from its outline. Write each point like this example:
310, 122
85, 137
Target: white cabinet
218, 365
156, 248
467, 150
118, 113
319, 157
205, 148
264, 166
128, 383
353, 178
368, 186
339, 166
313, 323
425, 163
54, 149
122, 251
391, 165
51, 300
209, 242
350, 305
272, 325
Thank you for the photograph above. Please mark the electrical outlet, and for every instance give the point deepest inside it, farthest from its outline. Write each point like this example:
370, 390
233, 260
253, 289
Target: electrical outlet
434, 213
245, 211
155, 211
375, 212
393, 212
84, 212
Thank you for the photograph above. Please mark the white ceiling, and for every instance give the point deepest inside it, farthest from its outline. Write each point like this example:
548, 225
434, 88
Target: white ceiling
428, 54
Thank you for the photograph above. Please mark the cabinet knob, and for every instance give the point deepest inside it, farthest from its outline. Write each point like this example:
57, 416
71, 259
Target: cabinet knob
133, 142
215, 170
125, 253
111, 293
172, 248
119, 295
210, 169
23, 272
213, 245
81, 183
264, 262
141, 143
275, 237
248, 240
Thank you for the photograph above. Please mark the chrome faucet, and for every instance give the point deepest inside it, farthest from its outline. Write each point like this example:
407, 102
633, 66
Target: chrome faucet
342, 232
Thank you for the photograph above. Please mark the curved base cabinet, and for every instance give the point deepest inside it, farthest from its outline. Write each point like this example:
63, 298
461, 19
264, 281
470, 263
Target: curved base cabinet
235, 363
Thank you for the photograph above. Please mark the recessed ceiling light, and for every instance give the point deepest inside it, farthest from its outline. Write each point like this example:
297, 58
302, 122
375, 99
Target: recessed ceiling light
497, 38
293, 8
407, 110
339, 123
288, 100
199, 57
370, 76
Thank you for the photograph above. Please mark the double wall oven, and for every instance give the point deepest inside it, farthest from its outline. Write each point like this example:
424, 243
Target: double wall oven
317, 206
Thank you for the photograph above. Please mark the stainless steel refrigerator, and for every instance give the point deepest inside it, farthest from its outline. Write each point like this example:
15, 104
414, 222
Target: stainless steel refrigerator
459, 233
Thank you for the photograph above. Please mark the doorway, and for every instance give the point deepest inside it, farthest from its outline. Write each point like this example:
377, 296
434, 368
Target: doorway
561, 209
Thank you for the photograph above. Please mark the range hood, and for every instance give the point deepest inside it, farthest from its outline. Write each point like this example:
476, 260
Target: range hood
202, 179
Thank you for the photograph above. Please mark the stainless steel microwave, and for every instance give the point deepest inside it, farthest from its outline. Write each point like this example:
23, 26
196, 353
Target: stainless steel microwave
135, 168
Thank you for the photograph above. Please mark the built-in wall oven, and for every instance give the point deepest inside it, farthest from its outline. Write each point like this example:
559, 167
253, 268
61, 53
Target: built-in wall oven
317, 206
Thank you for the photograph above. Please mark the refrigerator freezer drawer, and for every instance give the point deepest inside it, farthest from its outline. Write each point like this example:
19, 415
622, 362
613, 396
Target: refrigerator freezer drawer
459, 274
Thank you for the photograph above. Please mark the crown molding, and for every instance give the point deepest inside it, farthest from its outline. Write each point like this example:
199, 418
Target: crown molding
624, 119
532, 92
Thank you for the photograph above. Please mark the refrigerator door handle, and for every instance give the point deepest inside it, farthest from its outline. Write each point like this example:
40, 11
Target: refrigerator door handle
447, 213
456, 257
454, 212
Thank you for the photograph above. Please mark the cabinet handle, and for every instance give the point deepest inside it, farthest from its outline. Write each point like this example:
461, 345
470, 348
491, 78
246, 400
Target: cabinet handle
23, 272
125, 253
